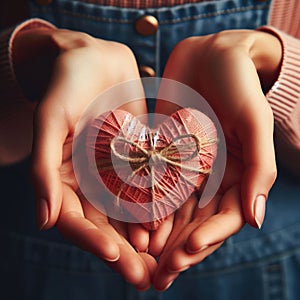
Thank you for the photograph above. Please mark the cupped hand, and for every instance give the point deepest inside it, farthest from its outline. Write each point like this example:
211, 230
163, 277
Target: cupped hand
64, 71
231, 70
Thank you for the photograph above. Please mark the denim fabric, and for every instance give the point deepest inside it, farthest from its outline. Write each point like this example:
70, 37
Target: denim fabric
253, 264
175, 23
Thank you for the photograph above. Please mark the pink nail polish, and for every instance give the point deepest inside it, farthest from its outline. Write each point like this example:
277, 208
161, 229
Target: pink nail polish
259, 210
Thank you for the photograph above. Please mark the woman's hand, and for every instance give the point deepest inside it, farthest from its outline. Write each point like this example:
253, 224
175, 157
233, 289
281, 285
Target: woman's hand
64, 71
231, 70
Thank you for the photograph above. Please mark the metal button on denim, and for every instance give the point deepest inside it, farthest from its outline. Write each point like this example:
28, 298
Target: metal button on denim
146, 71
146, 25
43, 2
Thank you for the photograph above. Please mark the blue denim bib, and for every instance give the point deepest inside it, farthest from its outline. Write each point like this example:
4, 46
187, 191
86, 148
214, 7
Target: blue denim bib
175, 23
254, 264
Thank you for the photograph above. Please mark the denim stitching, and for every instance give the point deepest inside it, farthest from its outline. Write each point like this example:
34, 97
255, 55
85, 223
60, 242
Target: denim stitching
273, 288
261, 262
80, 15
87, 264
215, 14
178, 20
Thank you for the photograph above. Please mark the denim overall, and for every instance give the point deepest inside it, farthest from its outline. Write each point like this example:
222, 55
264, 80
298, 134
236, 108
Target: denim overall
254, 264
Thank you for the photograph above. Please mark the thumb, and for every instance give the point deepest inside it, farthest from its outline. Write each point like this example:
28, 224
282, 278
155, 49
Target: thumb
49, 136
260, 165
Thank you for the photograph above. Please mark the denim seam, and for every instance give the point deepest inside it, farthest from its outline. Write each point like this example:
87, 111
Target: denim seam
157, 52
215, 14
273, 278
284, 284
177, 20
86, 16
241, 266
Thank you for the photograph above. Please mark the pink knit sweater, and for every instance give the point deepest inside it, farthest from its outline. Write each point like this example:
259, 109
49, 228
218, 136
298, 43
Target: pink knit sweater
284, 96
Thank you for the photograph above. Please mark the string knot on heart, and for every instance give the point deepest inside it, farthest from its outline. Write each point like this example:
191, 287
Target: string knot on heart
157, 170
150, 157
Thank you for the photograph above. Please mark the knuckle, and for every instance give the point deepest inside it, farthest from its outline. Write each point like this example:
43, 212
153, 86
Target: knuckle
187, 41
184, 49
124, 52
229, 39
228, 44
115, 48
118, 54
123, 49
176, 260
188, 45
196, 241
67, 39
220, 41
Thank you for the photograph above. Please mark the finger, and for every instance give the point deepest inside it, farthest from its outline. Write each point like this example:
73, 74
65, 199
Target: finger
165, 277
49, 136
255, 133
220, 226
201, 239
84, 233
182, 227
139, 237
51, 129
159, 237
260, 167
133, 267
150, 262
169, 260
171, 228
182, 219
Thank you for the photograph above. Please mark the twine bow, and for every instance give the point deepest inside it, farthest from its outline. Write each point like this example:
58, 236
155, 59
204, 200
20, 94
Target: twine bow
168, 154
146, 160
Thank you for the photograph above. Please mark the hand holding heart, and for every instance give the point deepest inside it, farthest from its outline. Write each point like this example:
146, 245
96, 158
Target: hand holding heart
231, 70
66, 74
80, 67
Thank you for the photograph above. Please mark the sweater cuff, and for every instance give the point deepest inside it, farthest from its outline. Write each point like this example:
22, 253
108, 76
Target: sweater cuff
284, 98
10, 90
285, 93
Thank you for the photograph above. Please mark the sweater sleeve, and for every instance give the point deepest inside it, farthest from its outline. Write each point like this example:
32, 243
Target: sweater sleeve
10, 90
284, 98
16, 112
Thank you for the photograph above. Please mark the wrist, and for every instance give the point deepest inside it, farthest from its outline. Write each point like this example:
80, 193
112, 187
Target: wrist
267, 56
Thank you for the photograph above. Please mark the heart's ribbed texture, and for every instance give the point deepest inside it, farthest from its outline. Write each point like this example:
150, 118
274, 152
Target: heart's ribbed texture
157, 169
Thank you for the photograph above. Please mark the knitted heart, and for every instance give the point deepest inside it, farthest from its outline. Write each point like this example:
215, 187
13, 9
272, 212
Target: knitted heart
157, 169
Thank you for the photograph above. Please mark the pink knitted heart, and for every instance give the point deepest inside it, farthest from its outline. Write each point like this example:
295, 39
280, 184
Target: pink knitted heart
156, 169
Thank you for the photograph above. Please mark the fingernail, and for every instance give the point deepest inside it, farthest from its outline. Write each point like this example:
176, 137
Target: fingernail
43, 213
259, 210
139, 251
112, 259
198, 250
